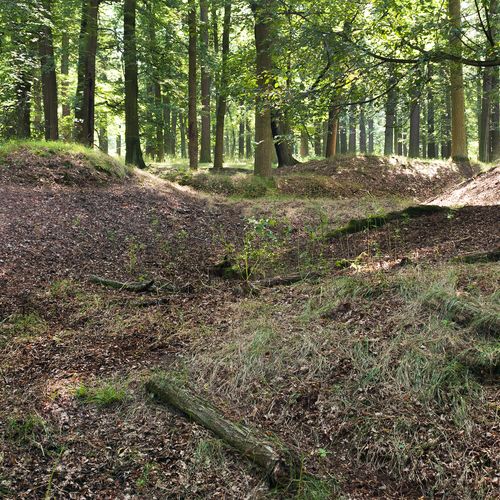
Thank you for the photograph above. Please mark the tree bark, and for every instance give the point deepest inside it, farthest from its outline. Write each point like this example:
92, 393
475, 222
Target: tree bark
431, 127
343, 133
182, 124
390, 117
65, 51
205, 150
414, 149
362, 131
173, 132
332, 132
222, 97
280, 468
263, 132
133, 154
248, 138
281, 132
495, 116
458, 132
485, 116
49, 79
85, 92
192, 87
304, 143
352, 129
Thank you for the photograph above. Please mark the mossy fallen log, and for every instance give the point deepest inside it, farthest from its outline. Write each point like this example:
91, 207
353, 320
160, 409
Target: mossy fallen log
478, 257
134, 286
284, 280
376, 221
280, 465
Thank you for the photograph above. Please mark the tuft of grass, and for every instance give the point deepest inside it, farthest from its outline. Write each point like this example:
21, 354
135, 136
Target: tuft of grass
209, 453
104, 395
30, 430
25, 326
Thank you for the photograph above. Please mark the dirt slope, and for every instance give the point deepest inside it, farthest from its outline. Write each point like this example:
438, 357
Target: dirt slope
484, 189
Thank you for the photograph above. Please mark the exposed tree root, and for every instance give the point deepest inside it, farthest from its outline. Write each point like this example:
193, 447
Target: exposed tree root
472, 258
136, 286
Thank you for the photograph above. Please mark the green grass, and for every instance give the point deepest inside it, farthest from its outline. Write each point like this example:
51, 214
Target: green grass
29, 430
25, 326
104, 395
95, 158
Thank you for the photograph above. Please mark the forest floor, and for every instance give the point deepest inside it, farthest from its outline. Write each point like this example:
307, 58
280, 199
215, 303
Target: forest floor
382, 373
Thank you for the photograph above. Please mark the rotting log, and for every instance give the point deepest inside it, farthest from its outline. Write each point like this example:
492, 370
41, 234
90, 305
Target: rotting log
284, 280
377, 221
136, 286
281, 466
478, 257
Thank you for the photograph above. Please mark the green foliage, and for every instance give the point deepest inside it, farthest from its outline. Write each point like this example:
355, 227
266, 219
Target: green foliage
29, 430
25, 326
104, 395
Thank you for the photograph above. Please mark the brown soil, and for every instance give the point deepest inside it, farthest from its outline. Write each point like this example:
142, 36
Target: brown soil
147, 228
370, 175
484, 189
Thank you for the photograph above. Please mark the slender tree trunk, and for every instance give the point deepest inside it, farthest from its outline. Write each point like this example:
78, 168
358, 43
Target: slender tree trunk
263, 132
317, 139
371, 133
119, 145
49, 79
414, 149
332, 132
352, 130
248, 139
281, 132
65, 51
458, 133
103, 139
495, 116
85, 92
431, 127
133, 154
23, 108
485, 116
222, 98
241, 134
205, 151
362, 131
182, 123
173, 138
192, 87
167, 123
304, 143
390, 117
343, 133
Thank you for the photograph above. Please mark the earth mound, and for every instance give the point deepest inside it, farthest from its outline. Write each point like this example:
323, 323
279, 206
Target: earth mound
483, 190
33, 163
354, 175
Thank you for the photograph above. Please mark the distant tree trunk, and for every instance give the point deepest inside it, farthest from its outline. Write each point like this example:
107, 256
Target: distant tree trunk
65, 50
371, 133
103, 139
182, 123
159, 124
205, 153
446, 126
281, 132
495, 116
263, 132
192, 87
362, 131
458, 133
167, 123
431, 127
343, 133
390, 117
352, 130
485, 116
173, 133
317, 139
248, 139
23, 108
49, 79
332, 132
119, 145
85, 92
222, 98
304, 143
133, 154
241, 135
414, 149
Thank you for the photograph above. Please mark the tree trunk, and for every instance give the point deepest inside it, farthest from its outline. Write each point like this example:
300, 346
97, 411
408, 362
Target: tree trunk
352, 130
458, 133
133, 154
371, 132
85, 92
317, 139
390, 117
281, 133
205, 151
304, 143
192, 87
431, 127
241, 138
495, 116
167, 122
362, 131
263, 132
49, 79
222, 97
248, 139
332, 132
182, 124
65, 50
414, 149
119, 145
103, 139
343, 133
173, 133
23, 108
485, 116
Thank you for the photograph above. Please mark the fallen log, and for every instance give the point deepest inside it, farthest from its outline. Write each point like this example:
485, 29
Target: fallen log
133, 286
477, 257
284, 280
281, 466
